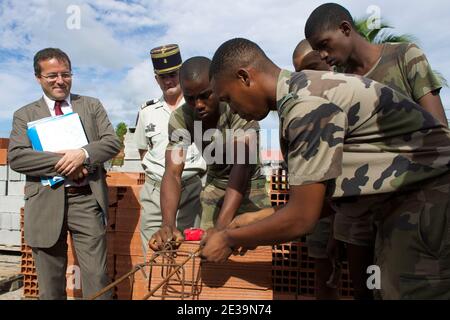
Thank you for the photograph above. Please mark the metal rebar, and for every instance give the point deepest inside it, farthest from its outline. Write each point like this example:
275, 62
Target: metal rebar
150, 293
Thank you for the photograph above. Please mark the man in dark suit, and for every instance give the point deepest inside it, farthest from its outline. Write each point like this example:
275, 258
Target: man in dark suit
79, 204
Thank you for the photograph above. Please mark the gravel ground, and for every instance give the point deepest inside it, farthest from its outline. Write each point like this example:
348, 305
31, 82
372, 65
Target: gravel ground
13, 295
10, 267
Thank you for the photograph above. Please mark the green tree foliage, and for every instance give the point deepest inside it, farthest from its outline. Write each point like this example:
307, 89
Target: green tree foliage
121, 130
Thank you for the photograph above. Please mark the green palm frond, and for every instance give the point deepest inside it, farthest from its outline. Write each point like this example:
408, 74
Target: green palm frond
441, 78
381, 34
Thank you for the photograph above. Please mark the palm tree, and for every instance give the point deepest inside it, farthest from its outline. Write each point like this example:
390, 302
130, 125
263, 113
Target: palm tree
383, 35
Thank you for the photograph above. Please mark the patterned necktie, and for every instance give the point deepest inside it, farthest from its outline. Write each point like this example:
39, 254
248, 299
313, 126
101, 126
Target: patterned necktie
58, 110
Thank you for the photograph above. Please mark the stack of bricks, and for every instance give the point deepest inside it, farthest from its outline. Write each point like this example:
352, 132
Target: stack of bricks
245, 277
278, 187
27, 267
123, 240
124, 249
4, 151
125, 234
293, 271
11, 198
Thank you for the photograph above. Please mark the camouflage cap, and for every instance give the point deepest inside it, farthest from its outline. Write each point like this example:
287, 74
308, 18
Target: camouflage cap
166, 59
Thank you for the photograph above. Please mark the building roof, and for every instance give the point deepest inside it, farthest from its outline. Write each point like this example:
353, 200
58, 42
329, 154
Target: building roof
271, 156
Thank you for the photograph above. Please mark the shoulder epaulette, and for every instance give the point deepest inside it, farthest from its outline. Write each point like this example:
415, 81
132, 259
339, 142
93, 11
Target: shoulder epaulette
149, 103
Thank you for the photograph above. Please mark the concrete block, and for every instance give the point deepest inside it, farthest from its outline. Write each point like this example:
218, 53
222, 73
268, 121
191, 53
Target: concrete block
5, 221
3, 188
3, 173
9, 238
11, 203
16, 188
15, 221
15, 176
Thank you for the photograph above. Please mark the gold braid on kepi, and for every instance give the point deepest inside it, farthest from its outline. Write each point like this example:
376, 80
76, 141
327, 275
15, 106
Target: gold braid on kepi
166, 59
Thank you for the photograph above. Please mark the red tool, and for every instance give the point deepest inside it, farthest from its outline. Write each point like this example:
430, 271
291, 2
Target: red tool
193, 234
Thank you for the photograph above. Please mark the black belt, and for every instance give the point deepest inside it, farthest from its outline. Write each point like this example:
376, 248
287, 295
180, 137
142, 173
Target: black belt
79, 190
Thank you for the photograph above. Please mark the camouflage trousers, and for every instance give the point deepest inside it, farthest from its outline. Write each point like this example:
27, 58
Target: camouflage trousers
212, 197
317, 241
412, 245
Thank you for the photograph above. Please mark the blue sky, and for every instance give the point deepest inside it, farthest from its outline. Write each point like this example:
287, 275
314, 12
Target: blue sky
110, 50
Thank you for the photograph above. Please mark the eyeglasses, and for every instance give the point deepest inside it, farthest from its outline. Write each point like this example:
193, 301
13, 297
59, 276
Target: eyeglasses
54, 76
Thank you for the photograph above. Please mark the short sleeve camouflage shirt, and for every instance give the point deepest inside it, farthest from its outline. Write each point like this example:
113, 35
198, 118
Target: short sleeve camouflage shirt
185, 128
359, 136
405, 68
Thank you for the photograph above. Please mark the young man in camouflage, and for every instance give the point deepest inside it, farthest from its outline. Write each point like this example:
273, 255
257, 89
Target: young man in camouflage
321, 244
151, 138
234, 184
402, 66
359, 144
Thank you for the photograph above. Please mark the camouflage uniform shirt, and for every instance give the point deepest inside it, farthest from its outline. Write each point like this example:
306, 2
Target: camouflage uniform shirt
405, 68
360, 136
185, 128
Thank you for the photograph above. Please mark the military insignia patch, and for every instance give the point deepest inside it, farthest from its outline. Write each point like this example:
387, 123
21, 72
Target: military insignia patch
150, 128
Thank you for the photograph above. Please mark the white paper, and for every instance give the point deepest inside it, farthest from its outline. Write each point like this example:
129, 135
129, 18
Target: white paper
61, 133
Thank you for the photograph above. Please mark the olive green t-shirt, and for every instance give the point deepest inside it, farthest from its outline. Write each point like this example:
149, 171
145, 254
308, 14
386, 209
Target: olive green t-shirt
405, 68
359, 136
214, 144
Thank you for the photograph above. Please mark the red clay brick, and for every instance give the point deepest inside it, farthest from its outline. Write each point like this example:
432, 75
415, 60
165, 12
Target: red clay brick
130, 198
128, 220
127, 243
3, 157
4, 143
122, 178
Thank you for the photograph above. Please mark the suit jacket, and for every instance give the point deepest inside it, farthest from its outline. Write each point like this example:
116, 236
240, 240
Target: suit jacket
44, 206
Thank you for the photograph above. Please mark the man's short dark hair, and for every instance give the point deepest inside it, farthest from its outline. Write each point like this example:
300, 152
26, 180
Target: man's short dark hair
236, 53
194, 68
47, 54
328, 16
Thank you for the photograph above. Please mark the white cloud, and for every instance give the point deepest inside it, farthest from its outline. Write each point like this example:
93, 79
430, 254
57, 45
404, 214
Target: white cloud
111, 50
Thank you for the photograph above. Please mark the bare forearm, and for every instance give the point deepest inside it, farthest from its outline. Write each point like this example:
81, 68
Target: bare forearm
279, 227
236, 189
231, 204
170, 198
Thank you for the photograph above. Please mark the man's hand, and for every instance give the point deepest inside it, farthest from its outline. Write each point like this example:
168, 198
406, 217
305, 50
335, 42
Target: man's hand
79, 174
71, 161
164, 235
216, 248
249, 218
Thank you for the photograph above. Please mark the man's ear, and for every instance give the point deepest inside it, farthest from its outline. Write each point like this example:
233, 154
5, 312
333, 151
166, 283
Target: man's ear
38, 79
346, 28
243, 76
